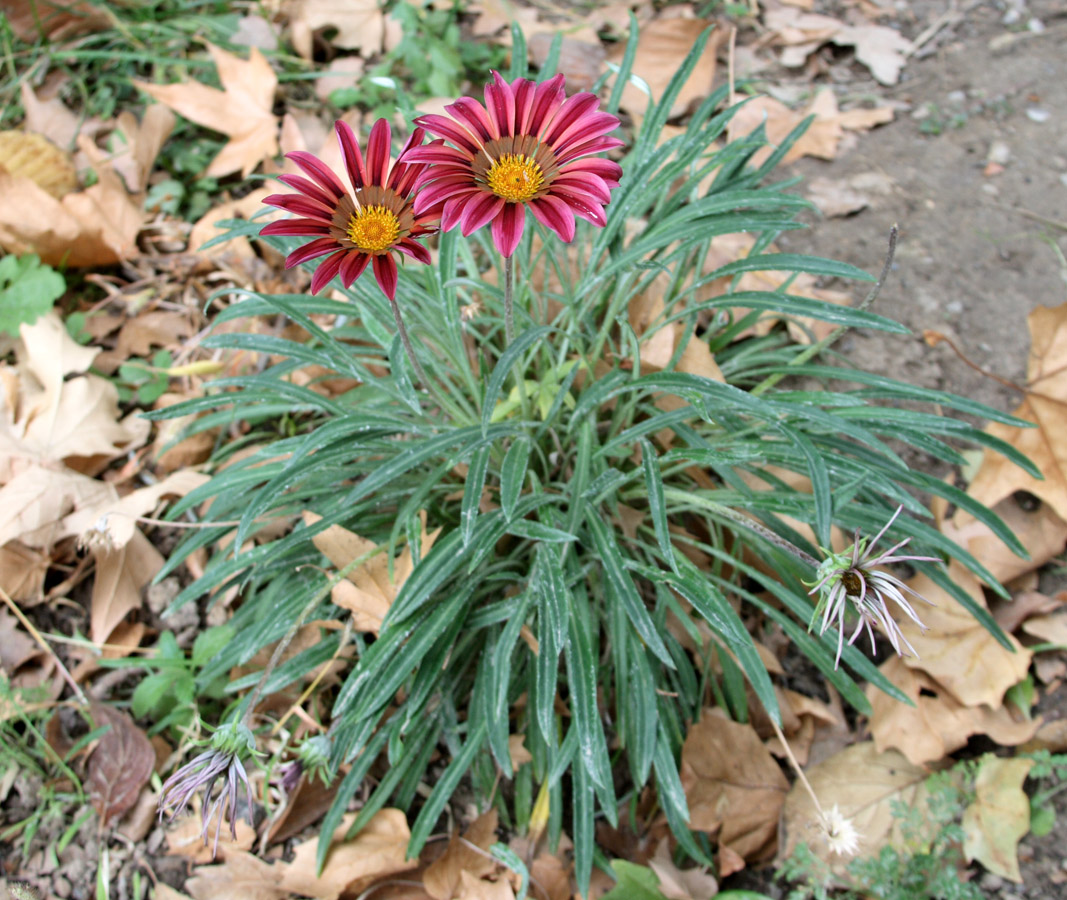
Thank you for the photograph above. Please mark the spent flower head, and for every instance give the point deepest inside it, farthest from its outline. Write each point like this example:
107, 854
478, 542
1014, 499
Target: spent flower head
851, 579
312, 757
529, 145
841, 835
222, 760
362, 228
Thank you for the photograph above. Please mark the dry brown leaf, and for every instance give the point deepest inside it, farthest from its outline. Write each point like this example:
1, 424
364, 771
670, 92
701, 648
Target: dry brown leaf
1045, 405
16, 646
863, 784
34, 503
33, 156
55, 20
22, 572
442, 877
367, 590
307, 803
1010, 614
495, 15
937, 724
360, 24
473, 888
681, 884
733, 785
185, 837
956, 649
241, 876
241, 110
999, 816
142, 142
379, 849
47, 115
661, 46
1040, 530
882, 50
121, 575
163, 891
1051, 628
551, 877
120, 766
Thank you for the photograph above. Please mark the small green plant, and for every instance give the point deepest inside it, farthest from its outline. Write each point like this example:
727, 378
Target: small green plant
578, 487
143, 381
1050, 773
28, 289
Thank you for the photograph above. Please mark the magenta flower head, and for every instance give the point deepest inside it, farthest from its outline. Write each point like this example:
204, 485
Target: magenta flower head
361, 228
528, 146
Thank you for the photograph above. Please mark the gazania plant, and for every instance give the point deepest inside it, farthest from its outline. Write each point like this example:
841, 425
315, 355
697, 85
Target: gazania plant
531, 386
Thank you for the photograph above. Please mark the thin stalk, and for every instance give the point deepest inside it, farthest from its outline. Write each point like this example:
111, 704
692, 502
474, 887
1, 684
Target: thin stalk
509, 301
408, 348
828, 341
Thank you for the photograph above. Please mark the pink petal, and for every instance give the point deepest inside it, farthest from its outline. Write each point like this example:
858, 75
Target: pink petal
439, 191
583, 182
548, 97
353, 266
378, 152
326, 270
500, 103
477, 210
301, 206
405, 173
597, 145
318, 247
350, 152
470, 113
582, 204
439, 155
450, 131
318, 171
555, 214
297, 227
609, 170
523, 91
573, 110
309, 188
591, 126
507, 228
385, 272
414, 249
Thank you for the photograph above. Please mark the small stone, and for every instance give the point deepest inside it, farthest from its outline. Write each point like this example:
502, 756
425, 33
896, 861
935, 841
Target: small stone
1063, 178
954, 307
61, 887
999, 152
956, 97
990, 189
1038, 115
1036, 26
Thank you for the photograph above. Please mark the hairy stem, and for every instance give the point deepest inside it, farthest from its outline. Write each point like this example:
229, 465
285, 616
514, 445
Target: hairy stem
509, 300
410, 350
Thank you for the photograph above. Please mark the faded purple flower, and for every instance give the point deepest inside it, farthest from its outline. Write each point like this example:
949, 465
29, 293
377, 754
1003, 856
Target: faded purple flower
221, 763
851, 579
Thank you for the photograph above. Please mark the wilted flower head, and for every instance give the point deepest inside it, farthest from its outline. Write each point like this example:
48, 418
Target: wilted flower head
851, 578
221, 761
528, 146
841, 835
312, 757
358, 229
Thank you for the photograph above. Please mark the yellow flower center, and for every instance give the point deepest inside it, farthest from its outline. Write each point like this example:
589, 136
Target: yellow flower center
373, 228
515, 177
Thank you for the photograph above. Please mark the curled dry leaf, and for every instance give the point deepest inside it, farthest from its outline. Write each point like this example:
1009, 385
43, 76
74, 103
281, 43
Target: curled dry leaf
681, 884
241, 110
120, 765
956, 650
733, 785
999, 817
241, 876
54, 20
937, 724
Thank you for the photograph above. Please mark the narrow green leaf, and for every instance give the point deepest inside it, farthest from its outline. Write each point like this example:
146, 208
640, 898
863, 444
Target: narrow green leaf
535, 531
503, 368
582, 681
656, 504
513, 474
472, 491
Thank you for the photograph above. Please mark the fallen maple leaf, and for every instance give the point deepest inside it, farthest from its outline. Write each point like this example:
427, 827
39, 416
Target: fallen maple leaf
681, 884
863, 784
937, 724
1045, 404
379, 849
367, 591
241, 110
241, 876
956, 649
661, 45
733, 785
442, 877
999, 816
360, 24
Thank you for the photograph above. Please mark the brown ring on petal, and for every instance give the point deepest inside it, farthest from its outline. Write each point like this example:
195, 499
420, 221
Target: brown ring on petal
367, 197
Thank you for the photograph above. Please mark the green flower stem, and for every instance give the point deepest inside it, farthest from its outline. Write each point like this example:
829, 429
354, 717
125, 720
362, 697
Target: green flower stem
832, 338
509, 301
415, 364
718, 509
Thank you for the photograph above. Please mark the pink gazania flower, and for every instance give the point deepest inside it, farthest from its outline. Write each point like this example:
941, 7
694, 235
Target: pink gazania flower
361, 228
528, 146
